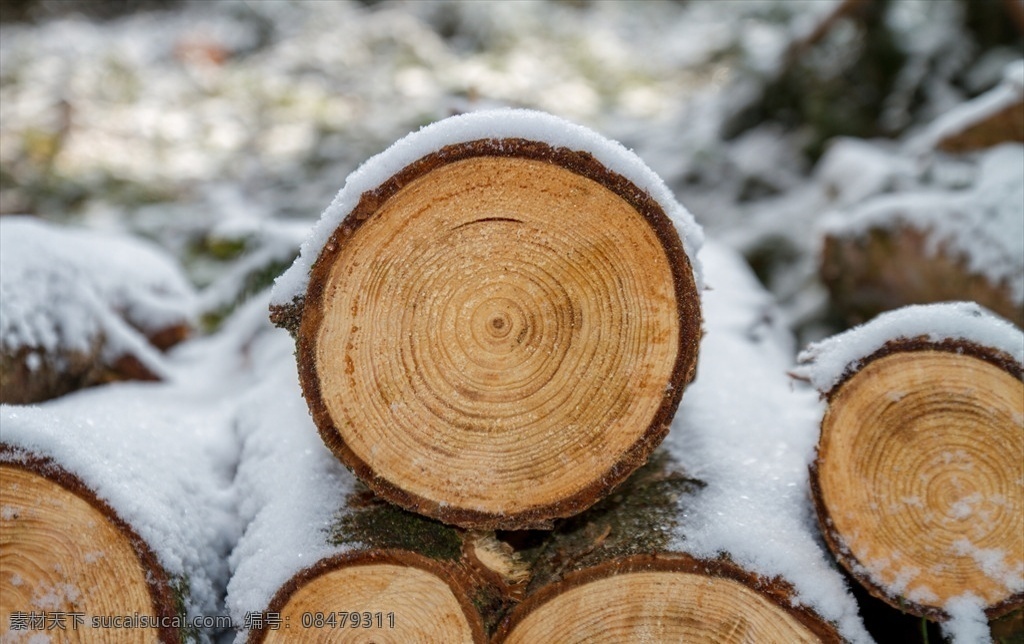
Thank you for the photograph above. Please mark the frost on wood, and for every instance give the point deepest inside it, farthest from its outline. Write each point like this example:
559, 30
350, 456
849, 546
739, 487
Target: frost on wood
493, 290
82, 307
317, 541
130, 509
919, 476
932, 245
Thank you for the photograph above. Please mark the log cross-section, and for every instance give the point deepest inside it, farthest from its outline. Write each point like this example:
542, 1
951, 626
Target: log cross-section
919, 478
499, 334
66, 556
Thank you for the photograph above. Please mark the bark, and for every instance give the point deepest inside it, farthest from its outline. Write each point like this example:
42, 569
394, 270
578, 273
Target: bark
490, 290
919, 476
890, 267
61, 541
612, 573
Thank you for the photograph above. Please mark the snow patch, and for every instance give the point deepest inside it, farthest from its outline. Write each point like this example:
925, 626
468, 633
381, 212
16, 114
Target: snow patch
967, 623
825, 363
289, 485
745, 430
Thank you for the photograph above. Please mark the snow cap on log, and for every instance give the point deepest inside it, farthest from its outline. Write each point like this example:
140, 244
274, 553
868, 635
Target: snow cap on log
496, 318
473, 126
827, 363
78, 303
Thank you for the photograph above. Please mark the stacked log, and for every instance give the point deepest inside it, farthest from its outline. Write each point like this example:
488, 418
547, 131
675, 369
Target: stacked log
83, 308
919, 476
494, 324
496, 319
936, 243
116, 518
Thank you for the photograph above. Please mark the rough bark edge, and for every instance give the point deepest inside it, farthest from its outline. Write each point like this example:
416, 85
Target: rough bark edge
834, 540
583, 164
450, 575
958, 346
776, 590
167, 604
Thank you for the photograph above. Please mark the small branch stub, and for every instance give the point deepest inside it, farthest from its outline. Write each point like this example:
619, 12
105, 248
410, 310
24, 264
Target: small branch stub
919, 476
499, 333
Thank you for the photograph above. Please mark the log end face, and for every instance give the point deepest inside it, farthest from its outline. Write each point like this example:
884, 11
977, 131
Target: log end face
61, 554
665, 599
919, 481
391, 596
502, 339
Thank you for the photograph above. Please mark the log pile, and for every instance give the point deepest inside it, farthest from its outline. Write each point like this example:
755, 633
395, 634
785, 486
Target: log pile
494, 324
493, 334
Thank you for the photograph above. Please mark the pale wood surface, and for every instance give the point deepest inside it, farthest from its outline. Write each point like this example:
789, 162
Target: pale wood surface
921, 478
60, 554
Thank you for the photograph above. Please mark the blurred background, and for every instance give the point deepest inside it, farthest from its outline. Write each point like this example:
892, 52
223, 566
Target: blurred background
222, 129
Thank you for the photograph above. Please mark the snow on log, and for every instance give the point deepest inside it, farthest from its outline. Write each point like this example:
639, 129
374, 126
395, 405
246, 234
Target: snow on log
81, 307
931, 246
995, 117
919, 476
116, 516
322, 556
713, 539
496, 318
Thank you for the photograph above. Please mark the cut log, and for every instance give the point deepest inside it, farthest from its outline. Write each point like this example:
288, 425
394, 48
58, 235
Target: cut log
83, 308
925, 247
494, 332
115, 521
919, 477
322, 559
610, 575
65, 553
